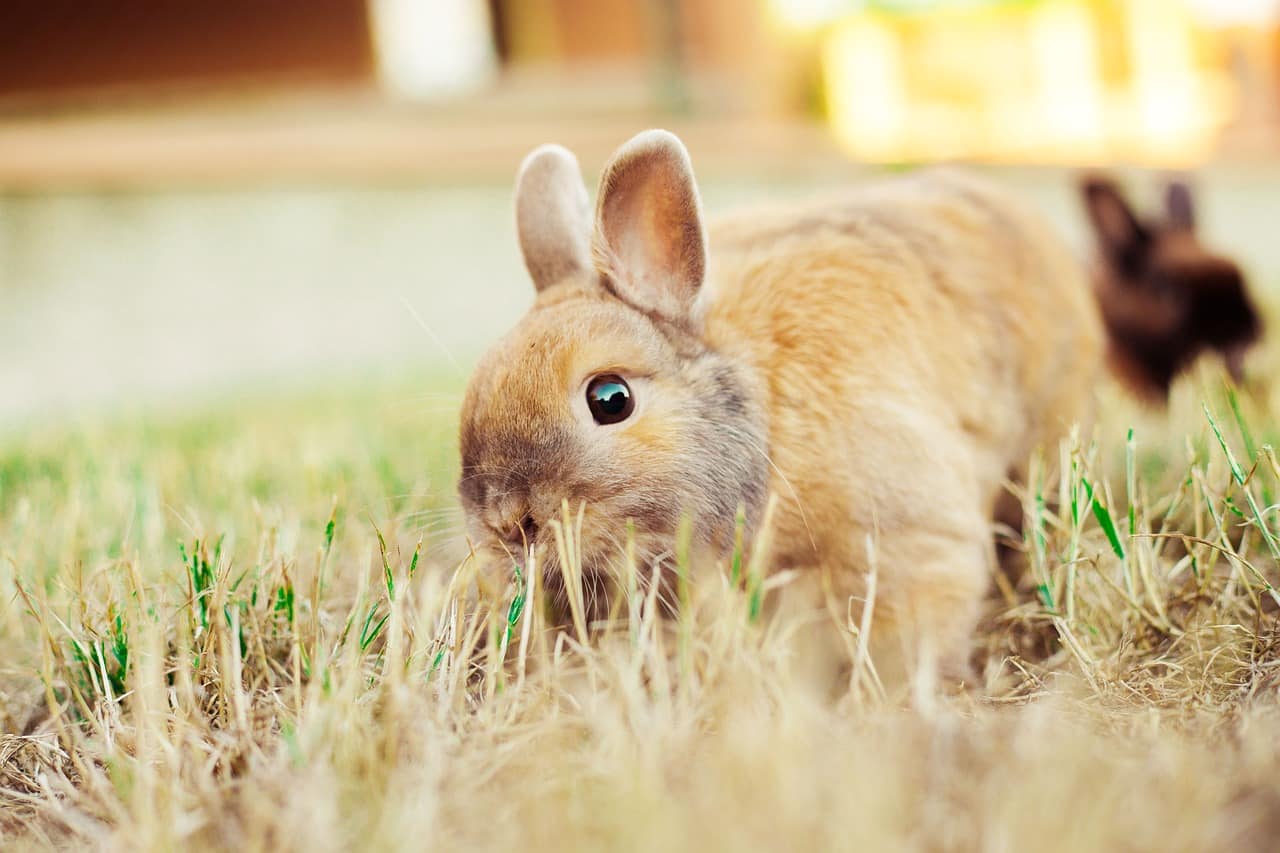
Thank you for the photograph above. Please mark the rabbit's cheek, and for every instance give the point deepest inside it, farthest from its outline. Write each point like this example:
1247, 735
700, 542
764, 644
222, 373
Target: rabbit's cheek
646, 441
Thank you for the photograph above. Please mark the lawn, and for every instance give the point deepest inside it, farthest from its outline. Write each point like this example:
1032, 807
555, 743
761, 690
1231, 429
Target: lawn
249, 624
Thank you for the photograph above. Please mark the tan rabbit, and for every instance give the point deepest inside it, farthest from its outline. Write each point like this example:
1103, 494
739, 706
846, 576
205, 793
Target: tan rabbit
882, 363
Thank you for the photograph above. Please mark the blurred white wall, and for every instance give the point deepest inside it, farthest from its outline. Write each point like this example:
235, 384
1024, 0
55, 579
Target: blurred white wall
431, 48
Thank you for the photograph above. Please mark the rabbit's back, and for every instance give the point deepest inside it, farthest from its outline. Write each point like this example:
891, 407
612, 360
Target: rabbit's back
928, 321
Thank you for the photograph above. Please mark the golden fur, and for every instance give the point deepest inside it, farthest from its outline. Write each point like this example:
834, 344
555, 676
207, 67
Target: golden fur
914, 344
881, 362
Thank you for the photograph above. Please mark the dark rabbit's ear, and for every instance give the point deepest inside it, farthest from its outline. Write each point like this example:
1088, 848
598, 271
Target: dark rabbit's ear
1180, 206
1122, 238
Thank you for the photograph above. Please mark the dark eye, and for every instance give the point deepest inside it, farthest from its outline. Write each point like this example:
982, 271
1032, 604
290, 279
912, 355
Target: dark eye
609, 398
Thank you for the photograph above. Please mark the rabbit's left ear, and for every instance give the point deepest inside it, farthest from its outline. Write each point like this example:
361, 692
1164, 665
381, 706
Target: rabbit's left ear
553, 216
1180, 206
1123, 239
649, 244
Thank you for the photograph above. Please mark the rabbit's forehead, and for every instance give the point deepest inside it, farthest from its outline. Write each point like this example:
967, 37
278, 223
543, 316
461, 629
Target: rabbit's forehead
555, 348
526, 382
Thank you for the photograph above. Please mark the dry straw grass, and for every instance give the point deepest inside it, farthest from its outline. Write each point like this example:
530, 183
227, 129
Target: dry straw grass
302, 673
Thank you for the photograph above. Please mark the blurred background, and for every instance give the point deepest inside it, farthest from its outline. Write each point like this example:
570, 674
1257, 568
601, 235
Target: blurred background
215, 195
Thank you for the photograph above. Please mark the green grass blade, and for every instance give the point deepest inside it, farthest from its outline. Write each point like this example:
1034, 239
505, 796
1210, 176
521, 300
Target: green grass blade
1104, 519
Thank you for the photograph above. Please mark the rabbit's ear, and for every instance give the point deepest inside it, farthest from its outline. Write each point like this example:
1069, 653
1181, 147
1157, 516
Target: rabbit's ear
1180, 206
1122, 238
649, 243
553, 216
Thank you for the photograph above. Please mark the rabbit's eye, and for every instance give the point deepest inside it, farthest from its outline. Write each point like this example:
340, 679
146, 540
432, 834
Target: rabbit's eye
609, 398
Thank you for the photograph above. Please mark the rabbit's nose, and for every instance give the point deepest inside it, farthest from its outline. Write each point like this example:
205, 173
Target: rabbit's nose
515, 523
525, 531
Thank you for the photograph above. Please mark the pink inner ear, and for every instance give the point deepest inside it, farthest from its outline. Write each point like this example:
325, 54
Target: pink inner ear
649, 238
657, 234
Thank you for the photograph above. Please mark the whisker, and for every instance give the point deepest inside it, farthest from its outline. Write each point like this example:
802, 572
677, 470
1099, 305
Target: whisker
413, 312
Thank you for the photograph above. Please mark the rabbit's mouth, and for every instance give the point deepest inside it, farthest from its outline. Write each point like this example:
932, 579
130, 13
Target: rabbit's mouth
589, 567
603, 583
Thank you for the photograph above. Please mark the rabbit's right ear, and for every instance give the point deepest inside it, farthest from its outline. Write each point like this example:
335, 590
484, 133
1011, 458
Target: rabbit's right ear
1122, 238
1180, 206
649, 245
553, 216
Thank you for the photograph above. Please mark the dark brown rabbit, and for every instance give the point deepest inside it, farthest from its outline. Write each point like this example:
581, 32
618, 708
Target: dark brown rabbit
1164, 297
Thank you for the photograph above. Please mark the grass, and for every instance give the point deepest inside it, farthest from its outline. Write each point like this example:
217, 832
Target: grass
247, 627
